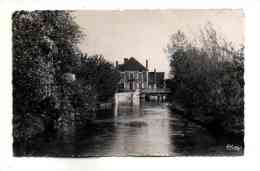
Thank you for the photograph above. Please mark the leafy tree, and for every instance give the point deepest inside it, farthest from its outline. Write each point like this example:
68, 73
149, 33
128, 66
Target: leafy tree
44, 48
207, 78
100, 76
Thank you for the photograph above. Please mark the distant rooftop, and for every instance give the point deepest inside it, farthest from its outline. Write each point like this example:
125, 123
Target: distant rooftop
131, 64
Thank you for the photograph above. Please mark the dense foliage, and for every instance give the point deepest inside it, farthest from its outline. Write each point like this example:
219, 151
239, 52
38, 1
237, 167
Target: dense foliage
44, 47
207, 79
47, 95
101, 75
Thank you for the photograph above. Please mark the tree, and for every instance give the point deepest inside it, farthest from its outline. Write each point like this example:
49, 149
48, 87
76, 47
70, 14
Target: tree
100, 75
207, 78
44, 48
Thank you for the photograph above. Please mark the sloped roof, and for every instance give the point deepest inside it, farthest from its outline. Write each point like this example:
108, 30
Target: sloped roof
131, 64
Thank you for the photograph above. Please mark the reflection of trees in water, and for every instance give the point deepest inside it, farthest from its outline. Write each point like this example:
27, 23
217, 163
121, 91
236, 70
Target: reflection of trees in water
190, 139
97, 136
93, 139
125, 134
193, 139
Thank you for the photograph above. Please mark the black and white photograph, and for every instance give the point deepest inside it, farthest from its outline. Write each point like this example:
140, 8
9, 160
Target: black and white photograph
128, 83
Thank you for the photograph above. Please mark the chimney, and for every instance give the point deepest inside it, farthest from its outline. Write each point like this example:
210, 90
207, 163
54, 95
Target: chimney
155, 81
116, 64
125, 60
146, 64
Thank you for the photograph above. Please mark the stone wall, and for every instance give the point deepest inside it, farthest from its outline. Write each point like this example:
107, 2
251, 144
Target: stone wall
128, 98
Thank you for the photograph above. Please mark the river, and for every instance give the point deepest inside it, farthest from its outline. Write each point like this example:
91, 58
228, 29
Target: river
148, 129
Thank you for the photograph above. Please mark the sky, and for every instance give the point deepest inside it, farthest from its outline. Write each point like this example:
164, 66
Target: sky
144, 34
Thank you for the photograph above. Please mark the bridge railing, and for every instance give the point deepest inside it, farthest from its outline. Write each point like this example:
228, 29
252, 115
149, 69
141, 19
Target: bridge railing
148, 90
156, 90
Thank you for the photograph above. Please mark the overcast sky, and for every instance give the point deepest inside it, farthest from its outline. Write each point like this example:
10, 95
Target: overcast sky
144, 34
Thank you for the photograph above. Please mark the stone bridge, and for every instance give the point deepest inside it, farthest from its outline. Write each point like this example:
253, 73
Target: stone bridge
158, 93
134, 97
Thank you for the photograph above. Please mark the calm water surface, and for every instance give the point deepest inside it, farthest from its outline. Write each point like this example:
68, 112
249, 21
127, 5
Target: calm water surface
150, 129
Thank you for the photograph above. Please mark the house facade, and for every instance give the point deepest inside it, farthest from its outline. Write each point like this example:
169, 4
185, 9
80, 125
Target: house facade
133, 74
136, 76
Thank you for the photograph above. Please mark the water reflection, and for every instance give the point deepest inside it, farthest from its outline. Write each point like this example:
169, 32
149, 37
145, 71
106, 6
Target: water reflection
142, 130
191, 139
148, 129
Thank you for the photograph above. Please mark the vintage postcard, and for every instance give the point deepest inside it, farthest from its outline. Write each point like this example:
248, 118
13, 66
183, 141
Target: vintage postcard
162, 83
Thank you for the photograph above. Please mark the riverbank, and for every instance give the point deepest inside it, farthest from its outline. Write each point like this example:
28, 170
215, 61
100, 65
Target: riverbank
217, 126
